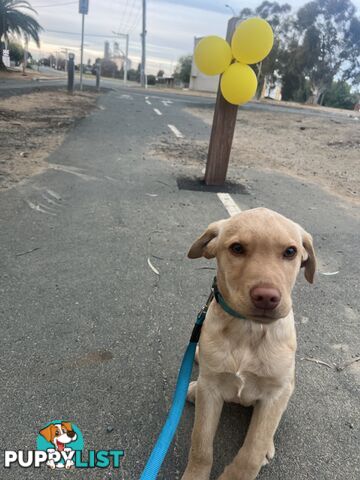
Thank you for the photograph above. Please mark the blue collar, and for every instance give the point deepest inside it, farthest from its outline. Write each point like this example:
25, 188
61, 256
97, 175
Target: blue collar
220, 300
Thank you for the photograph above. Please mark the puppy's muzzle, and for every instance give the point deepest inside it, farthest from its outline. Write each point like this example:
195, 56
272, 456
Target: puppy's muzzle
265, 298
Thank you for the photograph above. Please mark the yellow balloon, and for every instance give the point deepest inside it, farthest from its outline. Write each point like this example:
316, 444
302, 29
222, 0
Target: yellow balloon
238, 83
212, 55
252, 41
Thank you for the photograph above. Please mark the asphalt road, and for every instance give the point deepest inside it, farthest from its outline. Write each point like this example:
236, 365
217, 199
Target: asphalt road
9, 87
91, 334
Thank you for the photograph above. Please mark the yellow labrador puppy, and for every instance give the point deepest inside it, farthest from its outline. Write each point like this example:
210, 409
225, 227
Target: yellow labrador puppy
248, 341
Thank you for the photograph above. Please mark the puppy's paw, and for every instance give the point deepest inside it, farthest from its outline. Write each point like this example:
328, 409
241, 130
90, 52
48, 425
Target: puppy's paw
269, 455
191, 394
196, 474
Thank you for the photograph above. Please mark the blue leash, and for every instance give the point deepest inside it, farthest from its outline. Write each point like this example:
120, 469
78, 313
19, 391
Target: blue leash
166, 436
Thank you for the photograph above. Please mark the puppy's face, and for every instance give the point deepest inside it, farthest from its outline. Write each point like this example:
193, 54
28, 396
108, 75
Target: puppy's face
259, 254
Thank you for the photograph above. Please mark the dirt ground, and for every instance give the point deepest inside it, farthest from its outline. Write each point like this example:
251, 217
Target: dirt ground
32, 126
16, 75
324, 150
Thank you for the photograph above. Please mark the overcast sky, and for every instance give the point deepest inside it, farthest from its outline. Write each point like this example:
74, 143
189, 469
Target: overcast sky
171, 26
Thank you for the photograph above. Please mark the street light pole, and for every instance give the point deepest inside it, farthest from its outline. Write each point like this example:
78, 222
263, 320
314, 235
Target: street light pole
84, 10
126, 59
143, 51
82, 51
232, 10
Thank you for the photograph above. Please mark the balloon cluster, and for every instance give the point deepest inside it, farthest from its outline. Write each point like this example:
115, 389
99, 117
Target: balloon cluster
251, 43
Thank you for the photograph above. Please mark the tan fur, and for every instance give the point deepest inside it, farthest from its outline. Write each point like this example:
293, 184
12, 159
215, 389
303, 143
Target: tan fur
248, 361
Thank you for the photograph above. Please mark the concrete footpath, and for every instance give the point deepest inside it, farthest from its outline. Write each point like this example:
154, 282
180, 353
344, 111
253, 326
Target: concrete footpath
90, 334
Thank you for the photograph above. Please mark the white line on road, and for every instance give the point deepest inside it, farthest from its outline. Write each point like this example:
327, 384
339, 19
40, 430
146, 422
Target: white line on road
49, 200
157, 111
229, 204
166, 102
148, 102
38, 208
175, 131
72, 171
53, 194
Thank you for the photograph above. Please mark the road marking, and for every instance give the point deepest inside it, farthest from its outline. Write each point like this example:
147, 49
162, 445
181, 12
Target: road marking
166, 102
229, 204
157, 111
39, 209
49, 200
128, 97
53, 194
148, 102
175, 131
72, 171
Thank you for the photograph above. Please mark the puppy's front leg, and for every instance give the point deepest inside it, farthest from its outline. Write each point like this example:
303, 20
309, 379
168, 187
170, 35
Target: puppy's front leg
259, 439
208, 406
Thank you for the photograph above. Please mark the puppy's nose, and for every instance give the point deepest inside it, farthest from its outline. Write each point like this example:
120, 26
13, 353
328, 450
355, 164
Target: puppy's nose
71, 434
265, 298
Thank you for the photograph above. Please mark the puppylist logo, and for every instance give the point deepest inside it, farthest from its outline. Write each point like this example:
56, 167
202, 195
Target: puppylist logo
60, 445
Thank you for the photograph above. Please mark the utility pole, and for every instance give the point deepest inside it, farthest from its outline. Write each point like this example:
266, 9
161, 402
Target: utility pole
83, 9
143, 50
222, 131
126, 36
82, 51
126, 58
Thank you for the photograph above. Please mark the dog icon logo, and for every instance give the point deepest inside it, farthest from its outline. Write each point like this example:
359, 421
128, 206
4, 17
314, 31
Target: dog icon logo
60, 440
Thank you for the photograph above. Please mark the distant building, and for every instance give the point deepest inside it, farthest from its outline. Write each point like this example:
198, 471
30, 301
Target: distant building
272, 89
107, 50
200, 81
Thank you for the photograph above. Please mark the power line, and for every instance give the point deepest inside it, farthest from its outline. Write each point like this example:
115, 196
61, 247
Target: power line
130, 15
125, 11
105, 35
54, 5
135, 23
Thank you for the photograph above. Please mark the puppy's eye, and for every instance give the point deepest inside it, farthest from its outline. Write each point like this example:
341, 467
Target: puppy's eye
57, 432
290, 252
237, 249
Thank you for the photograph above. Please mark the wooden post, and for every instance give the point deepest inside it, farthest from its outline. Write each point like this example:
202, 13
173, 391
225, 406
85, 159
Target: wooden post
222, 131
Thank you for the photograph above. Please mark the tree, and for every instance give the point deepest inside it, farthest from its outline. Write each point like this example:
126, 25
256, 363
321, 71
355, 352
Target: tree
183, 69
13, 20
138, 73
160, 74
151, 80
280, 20
133, 75
339, 95
108, 68
16, 52
329, 47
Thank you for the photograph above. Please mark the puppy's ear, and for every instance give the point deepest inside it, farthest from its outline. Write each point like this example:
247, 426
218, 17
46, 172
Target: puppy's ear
48, 433
308, 257
67, 425
205, 246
